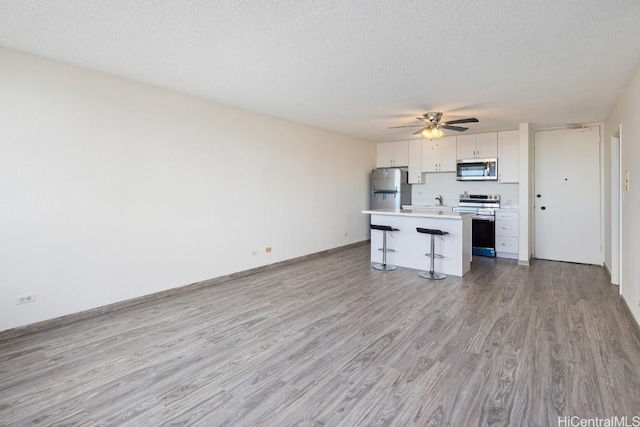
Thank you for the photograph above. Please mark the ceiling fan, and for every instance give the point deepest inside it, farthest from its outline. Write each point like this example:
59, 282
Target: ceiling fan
432, 126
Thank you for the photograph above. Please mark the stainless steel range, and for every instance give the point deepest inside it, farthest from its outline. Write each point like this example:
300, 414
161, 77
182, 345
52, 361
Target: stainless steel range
483, 207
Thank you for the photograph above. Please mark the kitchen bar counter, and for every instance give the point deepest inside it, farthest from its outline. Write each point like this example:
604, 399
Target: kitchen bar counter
425, 213
410, 246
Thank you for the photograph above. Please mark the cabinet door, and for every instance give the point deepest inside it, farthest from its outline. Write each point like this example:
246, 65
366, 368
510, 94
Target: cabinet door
507, 228
487, 145
447, 154
504, 215
508, 157
466, 146
415, 161
384, 155
430, 156
400, 154
507, 244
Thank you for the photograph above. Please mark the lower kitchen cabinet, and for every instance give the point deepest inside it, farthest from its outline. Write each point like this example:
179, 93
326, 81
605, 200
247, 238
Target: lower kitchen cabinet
507, 234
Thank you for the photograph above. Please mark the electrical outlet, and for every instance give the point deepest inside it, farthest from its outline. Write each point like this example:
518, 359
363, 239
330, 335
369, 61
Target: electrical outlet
23, 299
267, 249
254, 252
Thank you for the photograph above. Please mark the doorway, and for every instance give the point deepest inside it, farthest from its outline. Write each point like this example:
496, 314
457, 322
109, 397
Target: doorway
567, 196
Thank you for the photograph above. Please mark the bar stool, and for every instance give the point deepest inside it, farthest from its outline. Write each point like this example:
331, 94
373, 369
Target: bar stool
384, 265
431, 274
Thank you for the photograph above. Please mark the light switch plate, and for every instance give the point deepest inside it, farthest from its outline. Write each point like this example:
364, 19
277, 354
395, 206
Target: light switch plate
626, 180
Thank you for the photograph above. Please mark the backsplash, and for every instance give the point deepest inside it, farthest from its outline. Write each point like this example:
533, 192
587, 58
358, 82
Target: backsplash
445, 184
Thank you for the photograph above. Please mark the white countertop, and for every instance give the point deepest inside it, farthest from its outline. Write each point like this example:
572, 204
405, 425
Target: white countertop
428, 207
430, 213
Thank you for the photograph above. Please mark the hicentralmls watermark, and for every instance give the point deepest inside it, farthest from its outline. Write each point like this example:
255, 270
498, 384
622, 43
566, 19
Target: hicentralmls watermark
574, 421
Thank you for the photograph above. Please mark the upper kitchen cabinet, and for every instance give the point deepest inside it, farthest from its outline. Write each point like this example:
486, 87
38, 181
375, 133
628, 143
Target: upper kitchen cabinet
508, 160
478, 146
415, 161
439, 155
392, 154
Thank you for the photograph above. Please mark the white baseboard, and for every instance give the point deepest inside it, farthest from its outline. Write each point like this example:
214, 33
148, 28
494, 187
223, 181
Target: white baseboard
506, 255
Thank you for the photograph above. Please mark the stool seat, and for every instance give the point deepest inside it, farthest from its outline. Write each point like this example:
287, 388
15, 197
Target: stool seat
383, 265
383, 228
432, 274
431, 231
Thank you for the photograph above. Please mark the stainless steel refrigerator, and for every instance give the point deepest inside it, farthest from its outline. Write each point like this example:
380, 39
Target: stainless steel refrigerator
389, 188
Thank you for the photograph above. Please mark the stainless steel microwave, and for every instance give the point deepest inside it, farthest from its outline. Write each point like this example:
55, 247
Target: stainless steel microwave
477, 170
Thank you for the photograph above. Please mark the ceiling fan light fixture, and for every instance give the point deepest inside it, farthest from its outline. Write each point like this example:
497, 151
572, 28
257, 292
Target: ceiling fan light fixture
432, 133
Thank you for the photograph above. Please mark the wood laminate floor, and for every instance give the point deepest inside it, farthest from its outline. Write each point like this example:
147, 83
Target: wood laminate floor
332, 342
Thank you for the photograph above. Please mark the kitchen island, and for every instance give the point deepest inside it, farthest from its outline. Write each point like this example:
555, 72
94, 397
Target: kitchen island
409, 246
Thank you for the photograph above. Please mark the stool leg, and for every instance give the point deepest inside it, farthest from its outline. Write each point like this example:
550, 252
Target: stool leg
384, 248
431, 274
384, 265
433, 255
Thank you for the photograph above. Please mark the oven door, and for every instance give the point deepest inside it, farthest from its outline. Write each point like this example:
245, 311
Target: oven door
483, 236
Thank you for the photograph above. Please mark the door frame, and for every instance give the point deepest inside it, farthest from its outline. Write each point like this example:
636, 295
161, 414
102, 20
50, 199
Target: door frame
600, 125
616, 208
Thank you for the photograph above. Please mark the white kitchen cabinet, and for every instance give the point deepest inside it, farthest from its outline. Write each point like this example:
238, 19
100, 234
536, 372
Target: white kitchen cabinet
392, 154
439, 155
507, 234
448, 154
430, 155
477, 146
508, 160
415, 161
466, 148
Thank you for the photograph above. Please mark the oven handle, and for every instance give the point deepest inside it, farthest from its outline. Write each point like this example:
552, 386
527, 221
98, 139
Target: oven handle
489, 218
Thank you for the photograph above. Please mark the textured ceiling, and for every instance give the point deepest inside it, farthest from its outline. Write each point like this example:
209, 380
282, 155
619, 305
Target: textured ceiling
353, 67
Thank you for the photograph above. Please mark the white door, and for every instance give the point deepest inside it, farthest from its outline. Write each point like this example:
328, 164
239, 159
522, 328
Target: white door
567, 195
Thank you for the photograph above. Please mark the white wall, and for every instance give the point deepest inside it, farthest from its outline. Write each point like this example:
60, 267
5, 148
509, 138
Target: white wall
626, 113
446, 185
111, 189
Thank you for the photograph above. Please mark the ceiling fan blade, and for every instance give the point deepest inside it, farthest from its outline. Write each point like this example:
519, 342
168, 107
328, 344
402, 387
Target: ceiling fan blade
458, 128
398, 127
419, 132
469, 120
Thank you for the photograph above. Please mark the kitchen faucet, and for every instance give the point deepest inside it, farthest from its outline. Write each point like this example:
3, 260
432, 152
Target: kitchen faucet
439, 199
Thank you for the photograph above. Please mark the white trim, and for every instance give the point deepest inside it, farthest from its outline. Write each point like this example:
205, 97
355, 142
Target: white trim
600, 126
616, 211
